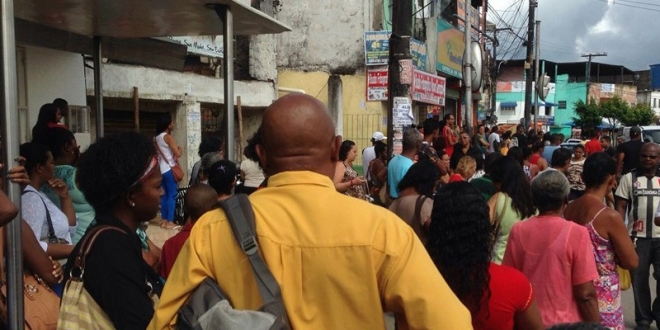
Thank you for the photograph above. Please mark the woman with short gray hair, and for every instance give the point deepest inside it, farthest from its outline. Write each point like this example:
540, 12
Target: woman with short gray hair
556, 255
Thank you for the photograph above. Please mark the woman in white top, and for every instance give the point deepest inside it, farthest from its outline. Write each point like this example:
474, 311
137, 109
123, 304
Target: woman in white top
251, 172
168, 152
52, 227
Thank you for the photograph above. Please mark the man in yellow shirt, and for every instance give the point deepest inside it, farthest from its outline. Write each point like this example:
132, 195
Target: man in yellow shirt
340, 262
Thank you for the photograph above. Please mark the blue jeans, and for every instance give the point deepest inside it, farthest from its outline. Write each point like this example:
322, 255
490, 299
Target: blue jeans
168, 200
648, 250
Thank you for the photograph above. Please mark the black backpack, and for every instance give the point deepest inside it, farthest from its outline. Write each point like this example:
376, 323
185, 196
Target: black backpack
208, 307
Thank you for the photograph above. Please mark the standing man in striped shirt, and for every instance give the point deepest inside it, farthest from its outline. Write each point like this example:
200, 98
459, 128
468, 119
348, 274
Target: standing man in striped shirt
639, 195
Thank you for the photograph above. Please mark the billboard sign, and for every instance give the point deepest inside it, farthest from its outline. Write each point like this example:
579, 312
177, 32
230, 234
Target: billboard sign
451, 48
376, 47
428, 88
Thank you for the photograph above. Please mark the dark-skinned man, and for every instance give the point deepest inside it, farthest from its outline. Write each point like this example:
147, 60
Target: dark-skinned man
339, 261
638, 197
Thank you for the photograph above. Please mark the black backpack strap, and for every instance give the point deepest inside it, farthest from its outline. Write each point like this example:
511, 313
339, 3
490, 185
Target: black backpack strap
51, 231
241, 218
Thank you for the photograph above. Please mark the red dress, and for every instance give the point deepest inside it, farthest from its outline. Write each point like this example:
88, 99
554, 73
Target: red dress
510, 293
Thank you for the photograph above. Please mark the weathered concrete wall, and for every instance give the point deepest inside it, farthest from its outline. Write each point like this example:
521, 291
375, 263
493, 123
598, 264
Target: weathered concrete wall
156, 84
326, 35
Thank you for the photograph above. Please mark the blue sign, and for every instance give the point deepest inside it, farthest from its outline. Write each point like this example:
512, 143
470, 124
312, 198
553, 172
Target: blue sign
376, 47
418, 52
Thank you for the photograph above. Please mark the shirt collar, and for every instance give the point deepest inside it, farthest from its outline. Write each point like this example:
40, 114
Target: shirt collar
300, 177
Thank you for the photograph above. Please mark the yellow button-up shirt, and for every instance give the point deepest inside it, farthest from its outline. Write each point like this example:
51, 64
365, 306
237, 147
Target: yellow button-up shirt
340, 262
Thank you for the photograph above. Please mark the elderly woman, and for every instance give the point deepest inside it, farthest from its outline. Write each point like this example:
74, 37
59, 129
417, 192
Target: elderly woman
460, 244
121, 179
556, 255
608, 233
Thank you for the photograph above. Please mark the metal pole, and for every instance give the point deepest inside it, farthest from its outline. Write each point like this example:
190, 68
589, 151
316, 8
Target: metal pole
10, 141
496, 73
98, 86
536, 73
528, 62
224, 12
467, 65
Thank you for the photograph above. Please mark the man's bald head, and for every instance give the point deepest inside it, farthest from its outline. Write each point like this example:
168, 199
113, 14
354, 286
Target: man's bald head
297, 134
200, 198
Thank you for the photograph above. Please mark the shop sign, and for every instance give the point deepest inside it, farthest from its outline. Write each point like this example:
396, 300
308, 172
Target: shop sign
418, 52
428, 88
377, 84
376, 47
200, 45
451, 48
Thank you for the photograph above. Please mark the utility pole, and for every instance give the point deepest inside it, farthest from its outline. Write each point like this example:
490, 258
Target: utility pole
528, 62
588, 75
398, 60
536, 71
467, 67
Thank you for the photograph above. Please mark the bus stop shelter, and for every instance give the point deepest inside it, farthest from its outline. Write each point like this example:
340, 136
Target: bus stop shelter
116, 19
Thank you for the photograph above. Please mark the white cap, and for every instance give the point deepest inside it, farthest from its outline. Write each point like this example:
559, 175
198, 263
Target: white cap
378, 136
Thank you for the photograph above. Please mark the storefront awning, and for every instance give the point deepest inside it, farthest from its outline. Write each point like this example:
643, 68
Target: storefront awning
508, 104
145, 18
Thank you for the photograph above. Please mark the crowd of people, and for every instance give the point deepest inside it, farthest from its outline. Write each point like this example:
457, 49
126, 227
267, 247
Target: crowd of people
495, 230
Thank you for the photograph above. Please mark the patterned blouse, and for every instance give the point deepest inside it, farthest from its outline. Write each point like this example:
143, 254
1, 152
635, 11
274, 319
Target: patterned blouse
357, 191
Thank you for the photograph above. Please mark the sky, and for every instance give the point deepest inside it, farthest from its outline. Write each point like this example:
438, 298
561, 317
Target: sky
627, 30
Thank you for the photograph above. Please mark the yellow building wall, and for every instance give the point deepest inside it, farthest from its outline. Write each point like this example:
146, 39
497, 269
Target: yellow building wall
360, 118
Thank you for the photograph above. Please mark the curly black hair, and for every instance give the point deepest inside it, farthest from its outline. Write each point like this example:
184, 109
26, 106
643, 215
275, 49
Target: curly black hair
460, 242
515, 183
111, 166
47, 114
422, 176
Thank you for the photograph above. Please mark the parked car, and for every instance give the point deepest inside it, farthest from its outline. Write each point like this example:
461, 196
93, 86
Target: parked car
649, 133
570, 144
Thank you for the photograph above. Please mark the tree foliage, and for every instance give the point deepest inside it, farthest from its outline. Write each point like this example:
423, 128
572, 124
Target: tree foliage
588, 115
615, 111
640, 115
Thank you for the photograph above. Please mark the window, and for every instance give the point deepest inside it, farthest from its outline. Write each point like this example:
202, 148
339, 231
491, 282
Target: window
654, 100
562, 104
508, 106
78, 119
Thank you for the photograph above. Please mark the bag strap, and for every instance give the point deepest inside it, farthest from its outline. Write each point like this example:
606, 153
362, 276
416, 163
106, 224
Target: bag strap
85, 247
241, 218
51, 230
417, 217
161, 153
499, 215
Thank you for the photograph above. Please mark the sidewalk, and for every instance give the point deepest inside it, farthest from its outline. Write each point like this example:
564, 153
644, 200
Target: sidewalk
159, 235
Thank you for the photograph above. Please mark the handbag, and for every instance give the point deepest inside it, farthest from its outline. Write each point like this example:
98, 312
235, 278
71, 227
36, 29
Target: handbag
208, 307
624, 278
41, 305
79, 310
177, 171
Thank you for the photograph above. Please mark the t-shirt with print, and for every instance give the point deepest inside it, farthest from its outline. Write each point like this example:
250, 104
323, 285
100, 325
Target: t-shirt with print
492, 138
643, 199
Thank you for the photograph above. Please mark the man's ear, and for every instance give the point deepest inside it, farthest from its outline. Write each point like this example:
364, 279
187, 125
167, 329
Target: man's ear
261, 153
334, 148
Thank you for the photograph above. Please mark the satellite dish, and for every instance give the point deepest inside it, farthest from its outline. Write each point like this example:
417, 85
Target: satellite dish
477, 65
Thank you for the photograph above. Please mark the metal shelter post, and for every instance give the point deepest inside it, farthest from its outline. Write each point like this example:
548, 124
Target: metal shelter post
98, 87
10, 142
224, 12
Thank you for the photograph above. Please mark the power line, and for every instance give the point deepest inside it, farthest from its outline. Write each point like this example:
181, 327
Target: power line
631, 6
638, 2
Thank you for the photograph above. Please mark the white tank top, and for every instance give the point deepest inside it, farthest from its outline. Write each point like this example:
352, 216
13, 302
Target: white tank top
164, 164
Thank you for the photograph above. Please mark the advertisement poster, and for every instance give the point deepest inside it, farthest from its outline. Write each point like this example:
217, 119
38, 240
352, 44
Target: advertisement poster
418, 52
451, 48
402, 114
428, 88
376, 47
377, 84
